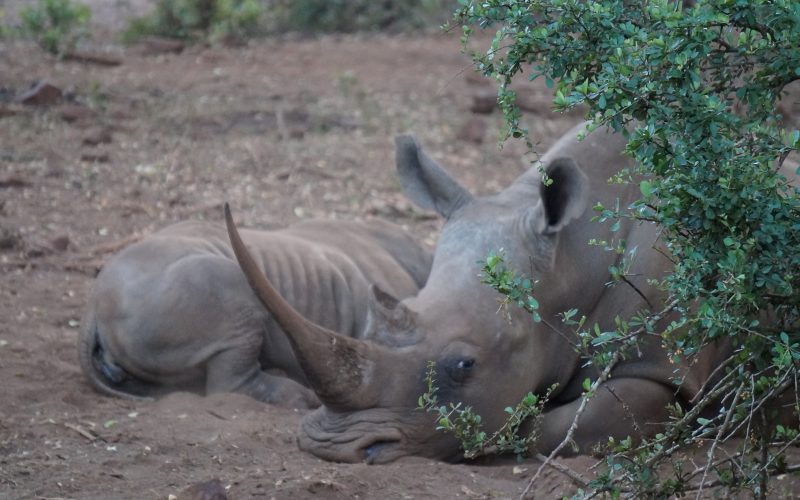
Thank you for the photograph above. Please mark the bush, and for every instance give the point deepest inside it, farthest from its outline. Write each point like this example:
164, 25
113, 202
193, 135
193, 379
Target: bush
236, 20
4, 29
57, 25
200, 20
694, 90
345, 16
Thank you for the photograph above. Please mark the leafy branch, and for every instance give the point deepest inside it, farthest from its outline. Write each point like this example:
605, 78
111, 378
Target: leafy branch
694, 90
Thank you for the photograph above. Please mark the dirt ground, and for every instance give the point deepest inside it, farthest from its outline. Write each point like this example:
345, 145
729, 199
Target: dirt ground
284, 129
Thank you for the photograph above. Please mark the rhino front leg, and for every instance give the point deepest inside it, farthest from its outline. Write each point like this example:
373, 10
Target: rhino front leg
622, 407
238, 370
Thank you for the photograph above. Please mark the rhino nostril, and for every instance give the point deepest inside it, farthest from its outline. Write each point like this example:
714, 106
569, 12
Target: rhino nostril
372, 451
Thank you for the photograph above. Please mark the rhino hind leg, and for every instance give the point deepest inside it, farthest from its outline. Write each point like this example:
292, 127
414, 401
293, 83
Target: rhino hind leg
622, 407
237, 370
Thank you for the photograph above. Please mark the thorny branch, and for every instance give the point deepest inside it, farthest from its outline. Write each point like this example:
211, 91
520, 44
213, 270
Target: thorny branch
574, 426
604, 375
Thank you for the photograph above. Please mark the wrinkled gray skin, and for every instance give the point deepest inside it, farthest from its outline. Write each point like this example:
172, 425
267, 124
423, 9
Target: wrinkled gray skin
174, 312
370, 390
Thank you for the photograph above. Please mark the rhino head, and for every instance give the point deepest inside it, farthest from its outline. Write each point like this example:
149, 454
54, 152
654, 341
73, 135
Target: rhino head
370, 387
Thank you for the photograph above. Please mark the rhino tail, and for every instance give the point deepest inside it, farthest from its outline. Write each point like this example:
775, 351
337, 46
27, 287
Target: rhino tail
104, 375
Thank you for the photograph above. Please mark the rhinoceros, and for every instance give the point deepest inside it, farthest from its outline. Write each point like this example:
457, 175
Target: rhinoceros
174, 312
369, 390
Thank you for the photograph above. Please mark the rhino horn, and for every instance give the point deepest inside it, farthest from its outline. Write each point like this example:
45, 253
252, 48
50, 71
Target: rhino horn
336, 366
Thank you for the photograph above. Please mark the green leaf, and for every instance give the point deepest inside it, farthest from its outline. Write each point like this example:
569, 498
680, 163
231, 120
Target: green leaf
646, 187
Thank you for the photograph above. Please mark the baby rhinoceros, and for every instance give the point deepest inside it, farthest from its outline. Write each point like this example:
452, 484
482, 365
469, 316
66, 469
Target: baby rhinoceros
174, 311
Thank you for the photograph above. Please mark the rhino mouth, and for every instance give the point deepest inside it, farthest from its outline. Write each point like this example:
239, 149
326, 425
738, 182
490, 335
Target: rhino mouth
380, 448
376, 436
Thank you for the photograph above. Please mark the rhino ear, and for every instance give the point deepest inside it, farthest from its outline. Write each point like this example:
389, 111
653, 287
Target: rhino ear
563, 200
391, 323
425, 182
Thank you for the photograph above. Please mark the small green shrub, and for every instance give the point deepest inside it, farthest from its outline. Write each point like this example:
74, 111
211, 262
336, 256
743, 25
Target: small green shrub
466, 426
196, 20
346, 16
3, 28
56, 25
236, 20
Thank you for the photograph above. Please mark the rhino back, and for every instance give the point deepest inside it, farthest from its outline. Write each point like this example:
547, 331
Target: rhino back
322, 267
385, 252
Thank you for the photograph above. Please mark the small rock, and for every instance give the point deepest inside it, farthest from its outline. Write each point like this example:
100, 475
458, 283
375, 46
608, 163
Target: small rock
153, 46
97, 136
10, 110
36, 248
75, 112
95, 157
483, 102
60, 243
13, 182
120, 113
473, 130
42, 93
9, 239
55, 163
209, 490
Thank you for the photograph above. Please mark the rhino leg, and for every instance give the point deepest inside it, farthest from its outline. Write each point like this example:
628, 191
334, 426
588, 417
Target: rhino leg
238, 370
191, 323
225, 305
622, 407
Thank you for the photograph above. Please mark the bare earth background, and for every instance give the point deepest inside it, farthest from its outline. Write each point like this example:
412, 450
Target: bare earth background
284, 129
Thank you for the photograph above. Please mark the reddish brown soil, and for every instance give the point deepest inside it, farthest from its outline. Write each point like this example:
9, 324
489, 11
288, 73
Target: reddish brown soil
283, 129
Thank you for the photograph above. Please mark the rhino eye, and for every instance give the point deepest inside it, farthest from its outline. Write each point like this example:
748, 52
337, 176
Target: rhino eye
465, 364
460, 370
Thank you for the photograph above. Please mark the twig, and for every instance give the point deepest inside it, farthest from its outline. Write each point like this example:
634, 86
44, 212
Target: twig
91, 267
763, 474
198, 209
711, 377
114, 246
685, 422
604, 375
215, 414
83, 432
85, 57
574, 426
720, 432
574, 476
636, 289
775, 390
